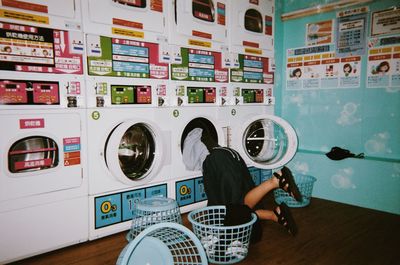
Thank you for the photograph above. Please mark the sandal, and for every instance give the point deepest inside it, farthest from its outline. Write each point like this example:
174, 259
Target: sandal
287, 183
285, 218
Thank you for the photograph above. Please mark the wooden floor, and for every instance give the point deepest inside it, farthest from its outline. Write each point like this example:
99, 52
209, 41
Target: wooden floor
329, 233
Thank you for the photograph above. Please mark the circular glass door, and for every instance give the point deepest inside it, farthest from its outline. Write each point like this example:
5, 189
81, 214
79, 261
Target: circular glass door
132, 152
202, 123
268, 141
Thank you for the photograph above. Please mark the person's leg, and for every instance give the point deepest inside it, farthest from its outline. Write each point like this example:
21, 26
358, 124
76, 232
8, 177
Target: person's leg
281, 215
267, 215
257, 193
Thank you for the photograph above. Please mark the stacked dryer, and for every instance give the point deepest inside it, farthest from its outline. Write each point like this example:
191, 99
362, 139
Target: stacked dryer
43, 180
129, 132
199, 84
264, 140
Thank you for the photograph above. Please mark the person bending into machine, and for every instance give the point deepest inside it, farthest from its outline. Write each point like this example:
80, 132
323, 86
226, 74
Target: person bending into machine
227, 181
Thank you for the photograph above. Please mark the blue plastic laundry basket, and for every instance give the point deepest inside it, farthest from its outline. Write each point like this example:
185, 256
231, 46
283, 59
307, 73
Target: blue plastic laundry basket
164, 244
305, 183
152, 211
222, 244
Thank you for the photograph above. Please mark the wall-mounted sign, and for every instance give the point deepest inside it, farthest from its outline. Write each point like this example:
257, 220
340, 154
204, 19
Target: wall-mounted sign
385, 22
319, 33
351, 31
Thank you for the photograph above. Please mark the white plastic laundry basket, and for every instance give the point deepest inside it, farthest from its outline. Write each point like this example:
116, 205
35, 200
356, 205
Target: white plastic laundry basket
152, 211
164, 244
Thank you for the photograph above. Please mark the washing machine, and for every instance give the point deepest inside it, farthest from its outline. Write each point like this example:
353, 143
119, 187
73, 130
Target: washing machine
43, 179
265, 141
141, 20
200, 24
251, 27
45, 13
129, 140
196, 105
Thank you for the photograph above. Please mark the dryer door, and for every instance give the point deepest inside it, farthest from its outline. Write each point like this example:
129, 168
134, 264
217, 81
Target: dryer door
267, 141
133, 152
201, 18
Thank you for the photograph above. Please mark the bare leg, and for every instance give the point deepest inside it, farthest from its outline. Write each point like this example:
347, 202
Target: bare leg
267, 215
257, 193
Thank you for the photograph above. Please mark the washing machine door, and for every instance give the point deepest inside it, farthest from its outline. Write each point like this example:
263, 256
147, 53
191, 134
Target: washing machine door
267, 141
133, 152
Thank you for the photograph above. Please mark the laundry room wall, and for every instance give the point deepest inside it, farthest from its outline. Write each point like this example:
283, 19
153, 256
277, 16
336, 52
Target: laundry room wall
328, 107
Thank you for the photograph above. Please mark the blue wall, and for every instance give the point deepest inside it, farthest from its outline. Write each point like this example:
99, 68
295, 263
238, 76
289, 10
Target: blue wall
372, 127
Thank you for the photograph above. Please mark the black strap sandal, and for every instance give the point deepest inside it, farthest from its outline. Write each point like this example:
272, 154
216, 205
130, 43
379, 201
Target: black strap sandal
285, 218
287, 183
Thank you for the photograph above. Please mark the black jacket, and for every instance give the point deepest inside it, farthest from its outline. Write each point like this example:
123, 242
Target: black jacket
226, 177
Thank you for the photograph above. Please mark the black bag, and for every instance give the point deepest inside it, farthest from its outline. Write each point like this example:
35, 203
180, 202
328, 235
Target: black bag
338, 153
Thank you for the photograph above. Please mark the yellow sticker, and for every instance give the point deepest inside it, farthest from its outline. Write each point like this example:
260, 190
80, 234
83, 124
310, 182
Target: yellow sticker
253, 51
23, 16
129, 33
200, 43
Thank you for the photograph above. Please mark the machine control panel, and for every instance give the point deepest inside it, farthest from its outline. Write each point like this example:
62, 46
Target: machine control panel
29, 92
201, 94
130, 94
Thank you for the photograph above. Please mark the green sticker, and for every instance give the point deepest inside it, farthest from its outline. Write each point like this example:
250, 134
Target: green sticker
95, 115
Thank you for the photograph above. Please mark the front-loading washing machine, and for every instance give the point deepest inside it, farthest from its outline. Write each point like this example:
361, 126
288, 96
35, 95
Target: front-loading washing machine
200, 24
251, 25
144, 20
196, 105
43, 179
129, 153
263, 140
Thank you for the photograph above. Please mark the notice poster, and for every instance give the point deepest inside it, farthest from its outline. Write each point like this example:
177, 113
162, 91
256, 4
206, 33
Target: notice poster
252, 69
314, 67
385, 22
319, 33
33, 49
318, 67
350, 72
351, 32
199, 65
384, 62
330, 71
124, 58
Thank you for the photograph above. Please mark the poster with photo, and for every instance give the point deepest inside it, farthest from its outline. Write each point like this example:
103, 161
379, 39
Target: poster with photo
330, 68
319, 33
312, 72
351, 32
385, 22
384, 63
317, 67
349, 72
294, 72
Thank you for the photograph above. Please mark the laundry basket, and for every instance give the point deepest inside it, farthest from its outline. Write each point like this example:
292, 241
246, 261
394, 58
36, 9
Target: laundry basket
152, 211
164, 244
222, 244
305, 183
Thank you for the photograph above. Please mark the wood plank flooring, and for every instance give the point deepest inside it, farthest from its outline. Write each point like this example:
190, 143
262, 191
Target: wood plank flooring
330, 233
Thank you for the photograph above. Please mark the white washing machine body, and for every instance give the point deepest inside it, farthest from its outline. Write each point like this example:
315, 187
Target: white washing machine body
43, 179
143, 20
200, 24
251, 27
264, 140
129, 148
195, 105
44, 13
